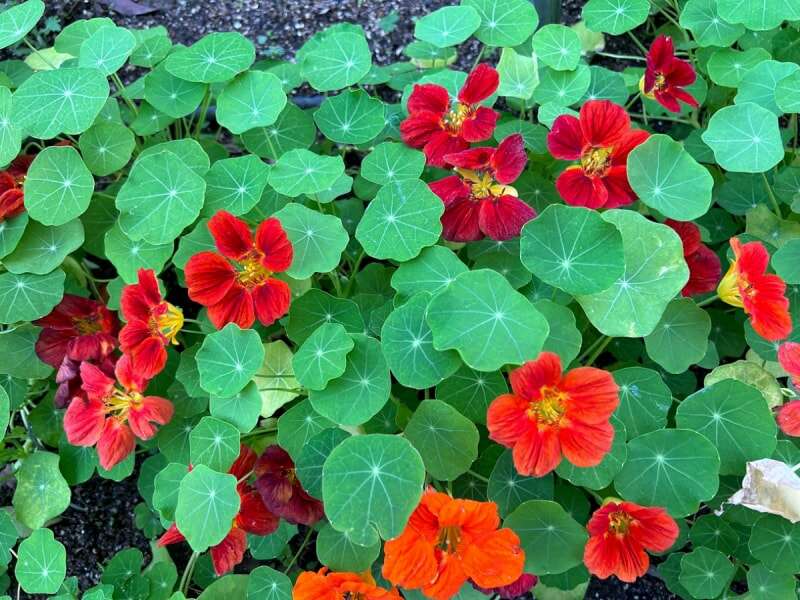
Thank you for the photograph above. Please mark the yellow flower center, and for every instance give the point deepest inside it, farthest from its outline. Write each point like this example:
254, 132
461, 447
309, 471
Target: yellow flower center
87, 325
120, 402
453, 120
596, 161
734, 287
619, 522
482, 185
169, 323
252, 273
449, 538
550, 408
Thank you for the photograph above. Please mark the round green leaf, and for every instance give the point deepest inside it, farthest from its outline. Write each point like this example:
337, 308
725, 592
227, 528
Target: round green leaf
214, 58
759, 84
318, 239
17, 347
8, 537
294, 129
763, 584
434, 269
673, 468
508, 489
372, 482
337, 551
683, 325
564, 338
214, 443
361, 391
341, 59
558, 47
235, 184
562, 88
207, 504
615, 16
301, 171
472, 391
42, 563
775, 542
758, 15
519, 76
265, 583
5, 407
504, 22
745, 138
488, 322
27, 297
447, 26
49, 103
153, 46
600, 476
107, 147
241, 409
228, 359
69, 40
10, 135
735, 417
705, 573
714, 532
352, 117
313, 455
606, 85
655, 272
786, 262
17, 21
553, 541
166, 487
402, 219
391, 162
129, 256
786, 93
727, 66
668, 179
253, 99
644, 400
42, 493
107, 49
58, 186
298, 425
43, 248
702, 18
315, 308
323, 356
573, 249
172, 95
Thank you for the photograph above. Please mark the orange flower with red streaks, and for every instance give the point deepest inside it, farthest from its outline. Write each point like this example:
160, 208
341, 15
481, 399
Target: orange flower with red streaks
789, 413
762, 295
238, 284
323, 585
152, 324
448, 542
621, 534
551, 415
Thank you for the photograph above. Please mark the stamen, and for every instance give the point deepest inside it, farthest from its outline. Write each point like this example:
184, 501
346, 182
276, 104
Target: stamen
550, 408
596, 161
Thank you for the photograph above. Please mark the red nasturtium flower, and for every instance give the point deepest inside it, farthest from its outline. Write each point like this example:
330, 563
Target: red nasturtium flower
11, 194
113, 413
440, 127
666, 75
789, 413
323, 585
704, 265
550, 415
521, 586
241, 293
448, 542
762, 295
621, 533
152, 324
253, 517
478, 200
601, 139
282, 491
79, 329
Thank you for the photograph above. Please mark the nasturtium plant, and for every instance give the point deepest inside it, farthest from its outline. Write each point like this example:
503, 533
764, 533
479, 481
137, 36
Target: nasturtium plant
480, 317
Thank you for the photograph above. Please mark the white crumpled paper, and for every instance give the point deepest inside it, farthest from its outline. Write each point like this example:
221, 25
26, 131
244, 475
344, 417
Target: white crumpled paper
770, 486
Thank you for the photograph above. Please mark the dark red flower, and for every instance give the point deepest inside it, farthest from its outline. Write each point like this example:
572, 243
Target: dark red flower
666, 75
440, 127
601, 139
11, 183
68, 378
241, 293
789, 413
478, 200
520, 587
281, 491
705, 268
152, 324
253, 517
78, 328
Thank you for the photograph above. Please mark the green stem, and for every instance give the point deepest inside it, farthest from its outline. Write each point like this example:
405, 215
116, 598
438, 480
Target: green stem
773, 200
708, 301
353, 273
291, 390
621, 56
187, 573
201, 119
39, 54
606, 340
478, 476
299, 550
479, 57
636, 41
334, 277
122, 91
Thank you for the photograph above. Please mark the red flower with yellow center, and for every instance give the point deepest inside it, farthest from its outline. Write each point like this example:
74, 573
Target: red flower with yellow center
550, 415
245, 290
282, 491
600, 138
152, 324
789, 413
447, 542
704, 265
666, 75
621, 534
114, 413
11, 182
478, 200
440, 127
79, 329
323, 585
253, 517
762, 295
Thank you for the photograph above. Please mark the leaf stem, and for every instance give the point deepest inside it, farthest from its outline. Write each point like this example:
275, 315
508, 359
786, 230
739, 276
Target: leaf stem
708, 301
187, 573
773, 200
299, 550
479, 57
636, 41
604, 341
27, 42
123, 92
478, 476
620, 56
201, 118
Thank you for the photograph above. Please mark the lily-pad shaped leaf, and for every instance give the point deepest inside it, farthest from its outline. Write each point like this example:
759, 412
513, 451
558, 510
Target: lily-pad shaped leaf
58, 186
318, 239
207, 504
759, 84
312, 458
558, 47
11, 231
106, 147
293, 129
447, 26
17, 21
372, 482
775, 542
446, 440
735, 417
173, 96
553, 541
161, 197
434, 269
235, 184
562, 88
727, 66
673, 468
786, 262
337, 551
41, 563
107, 49
323, 356
487, 321
50, 103
615, 16
683, 325
241, 410
315, 308
504, 23
214, 58
705, 573
341, 59
573, 249
42, 492
745, 138
400, 221
10, 135
519, 76
655, 272
18, 349
153, 46
361, 391
702, 18
766, 584
298, 425
43, 248
564, 338
391, 162
606, 85
188, 150
472, 391
759, 15
228, 359
265, 583
352, 117
214, 443
301, 171
508, 489
786, 93
27, 297
666, 177
69, 40
253, 99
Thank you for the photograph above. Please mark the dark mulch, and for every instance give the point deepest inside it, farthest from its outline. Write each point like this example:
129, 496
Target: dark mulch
648, 587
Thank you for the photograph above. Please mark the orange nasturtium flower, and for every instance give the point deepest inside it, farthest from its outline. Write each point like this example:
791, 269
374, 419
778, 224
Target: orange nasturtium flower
550, 415
789, 413
448, 542
323, 585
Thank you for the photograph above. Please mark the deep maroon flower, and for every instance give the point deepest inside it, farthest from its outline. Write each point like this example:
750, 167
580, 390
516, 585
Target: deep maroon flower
666, 75
521, 586
281, 491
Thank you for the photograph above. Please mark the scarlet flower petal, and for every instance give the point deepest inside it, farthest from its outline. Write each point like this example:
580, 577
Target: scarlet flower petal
705, 270
661, 53
684, 96
667, 99
510, 159
652, 526
507, 419
496, 560
481, 83
271, 300
592, 392
152, 410
236, 307
503, 218
609, 556
789, 358
461, 221
115, 444
629, 141
579, 190
603, 123
244, 463
84, 420
11, 204
537, 453
129, 377
429, 97
271, 239
788, 418
209, 277
584, 444
449, 579
254, 517
619, 190
440, 145
480, 125
769, 308
229, 552
231, 235
51, 347
409, 560
689, 234
527, 380
171, 536
94, 382
680, 74
138, 300
474, 158
450, 188
418, 128
565, 140
146, 351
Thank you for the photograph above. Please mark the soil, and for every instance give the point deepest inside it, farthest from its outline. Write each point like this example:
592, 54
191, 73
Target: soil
648, 587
